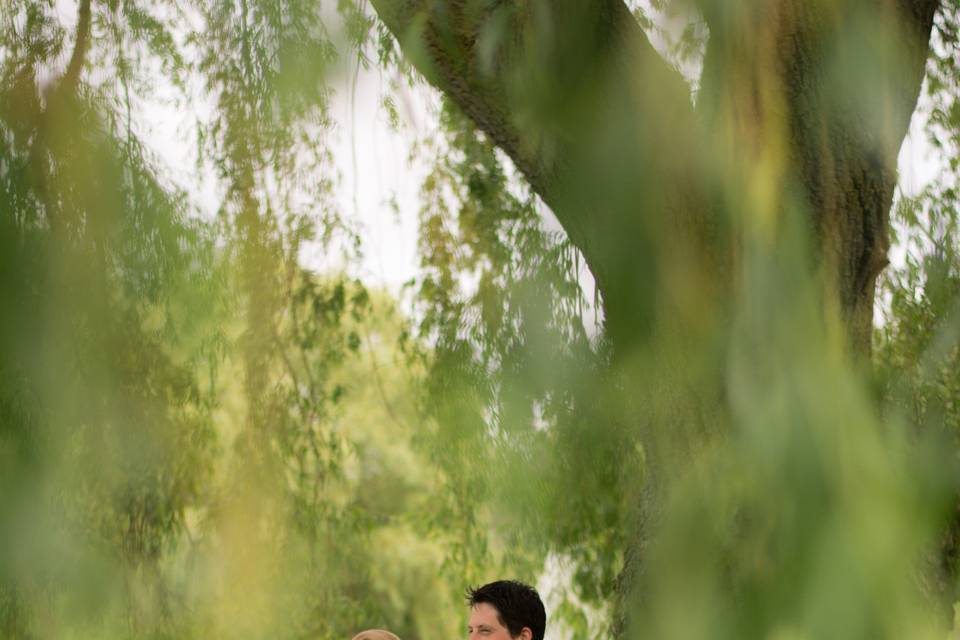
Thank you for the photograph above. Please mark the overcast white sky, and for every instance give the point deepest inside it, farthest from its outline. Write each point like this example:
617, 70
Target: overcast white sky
371, 159
375, 170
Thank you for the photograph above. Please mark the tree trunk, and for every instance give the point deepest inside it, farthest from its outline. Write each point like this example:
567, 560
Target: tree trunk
836, 83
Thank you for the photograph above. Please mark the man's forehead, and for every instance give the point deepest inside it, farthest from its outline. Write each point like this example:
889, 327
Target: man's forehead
483, 611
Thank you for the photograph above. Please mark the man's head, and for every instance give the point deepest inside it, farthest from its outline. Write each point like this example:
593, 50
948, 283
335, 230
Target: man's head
375, 634
506, 609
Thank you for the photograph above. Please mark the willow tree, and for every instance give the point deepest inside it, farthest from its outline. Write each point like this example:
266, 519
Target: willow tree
723, 218
713, 461
822, 91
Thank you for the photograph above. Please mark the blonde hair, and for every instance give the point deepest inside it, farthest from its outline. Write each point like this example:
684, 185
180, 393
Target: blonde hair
375, 634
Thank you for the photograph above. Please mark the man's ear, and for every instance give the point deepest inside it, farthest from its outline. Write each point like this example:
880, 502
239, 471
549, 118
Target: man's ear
525, 634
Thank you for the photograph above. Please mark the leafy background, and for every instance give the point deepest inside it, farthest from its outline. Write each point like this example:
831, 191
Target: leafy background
203, 436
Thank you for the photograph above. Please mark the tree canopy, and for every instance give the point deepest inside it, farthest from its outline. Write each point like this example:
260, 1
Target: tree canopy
654, 358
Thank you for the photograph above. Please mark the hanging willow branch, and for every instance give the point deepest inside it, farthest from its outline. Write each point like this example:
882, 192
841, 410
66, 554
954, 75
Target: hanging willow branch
82, 43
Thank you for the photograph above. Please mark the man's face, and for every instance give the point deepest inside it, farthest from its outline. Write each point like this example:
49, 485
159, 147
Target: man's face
485, 625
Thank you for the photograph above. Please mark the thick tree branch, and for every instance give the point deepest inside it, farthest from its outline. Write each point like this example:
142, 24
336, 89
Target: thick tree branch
443, 38
569, 90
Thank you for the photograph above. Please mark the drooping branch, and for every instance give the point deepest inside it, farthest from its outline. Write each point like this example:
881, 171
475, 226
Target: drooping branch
64, 86
68, 81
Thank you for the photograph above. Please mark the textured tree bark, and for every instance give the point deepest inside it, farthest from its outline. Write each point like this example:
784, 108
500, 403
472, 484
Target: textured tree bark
836, 83
783, 84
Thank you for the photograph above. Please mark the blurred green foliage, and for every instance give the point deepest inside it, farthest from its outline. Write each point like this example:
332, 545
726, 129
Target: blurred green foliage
192, 441
200, 437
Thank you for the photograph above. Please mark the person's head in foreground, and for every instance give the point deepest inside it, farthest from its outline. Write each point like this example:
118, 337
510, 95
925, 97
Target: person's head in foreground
506, 610
375, 634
